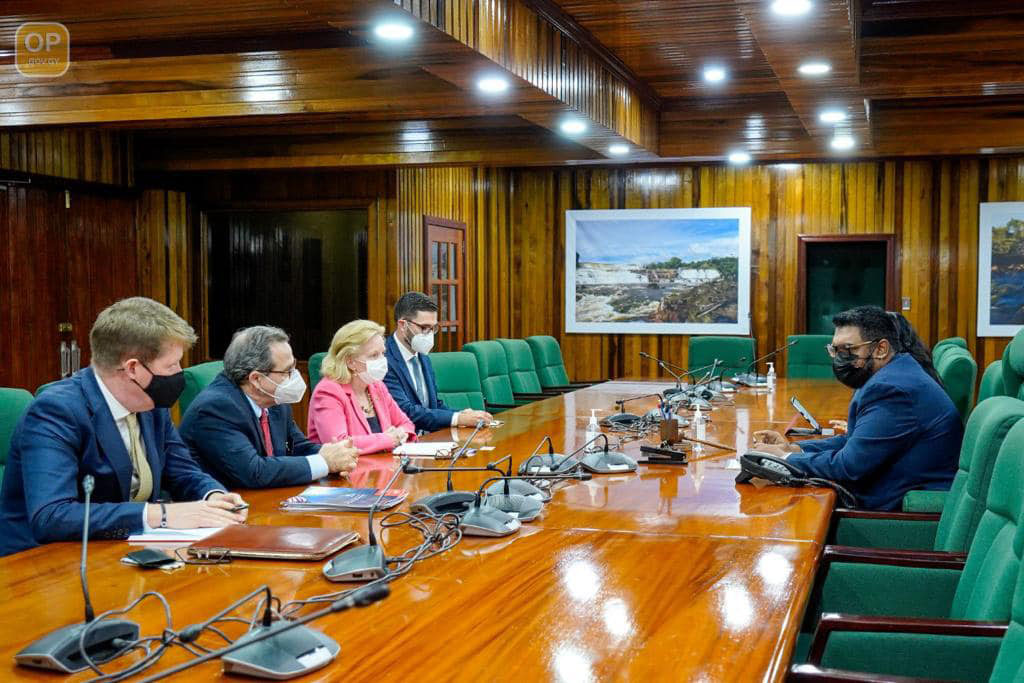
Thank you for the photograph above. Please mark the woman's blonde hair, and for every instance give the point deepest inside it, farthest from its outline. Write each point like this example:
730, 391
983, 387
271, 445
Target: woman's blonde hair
346, 342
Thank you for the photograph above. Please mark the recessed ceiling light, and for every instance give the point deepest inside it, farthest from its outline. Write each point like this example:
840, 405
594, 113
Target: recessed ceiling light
618, 149
714, 74
739, 158
393, 30
843, 142
814, 68
832, 116
492, 84
573, 126
987, 150
791, 8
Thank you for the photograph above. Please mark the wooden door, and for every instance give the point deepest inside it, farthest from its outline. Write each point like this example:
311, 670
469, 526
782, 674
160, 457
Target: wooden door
444, 262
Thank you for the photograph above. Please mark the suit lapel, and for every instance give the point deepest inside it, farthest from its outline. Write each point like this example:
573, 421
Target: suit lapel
108, 438
242, 403
355, 408
396, 360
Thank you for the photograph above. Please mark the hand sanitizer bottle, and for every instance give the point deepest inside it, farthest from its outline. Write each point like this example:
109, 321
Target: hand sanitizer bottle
771, 376
593, 430
699, 425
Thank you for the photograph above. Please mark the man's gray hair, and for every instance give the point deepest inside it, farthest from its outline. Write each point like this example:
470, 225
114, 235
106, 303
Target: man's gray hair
250, 350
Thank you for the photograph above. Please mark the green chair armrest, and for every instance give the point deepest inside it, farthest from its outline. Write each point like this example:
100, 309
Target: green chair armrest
909, 530
924, 501
498, 407
809, 673
929, 648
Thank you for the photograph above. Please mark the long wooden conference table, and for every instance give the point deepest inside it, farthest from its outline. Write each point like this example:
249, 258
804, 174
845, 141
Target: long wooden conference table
668, 573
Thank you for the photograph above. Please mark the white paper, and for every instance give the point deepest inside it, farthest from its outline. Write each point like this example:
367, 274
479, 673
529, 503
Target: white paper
173, 535
425, 448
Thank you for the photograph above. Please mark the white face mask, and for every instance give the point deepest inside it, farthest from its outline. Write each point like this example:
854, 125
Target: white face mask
289, 391
422, 342
375, 371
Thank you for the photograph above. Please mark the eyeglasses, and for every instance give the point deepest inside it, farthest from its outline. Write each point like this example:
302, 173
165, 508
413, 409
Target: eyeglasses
279, 372
845, 349
204, 555
423, 328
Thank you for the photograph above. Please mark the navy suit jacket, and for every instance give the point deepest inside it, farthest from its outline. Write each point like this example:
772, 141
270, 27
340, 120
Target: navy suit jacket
903, 433
224, 434
68, 432
427, 418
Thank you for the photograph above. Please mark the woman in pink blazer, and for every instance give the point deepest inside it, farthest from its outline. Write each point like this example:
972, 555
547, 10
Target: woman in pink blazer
351, 400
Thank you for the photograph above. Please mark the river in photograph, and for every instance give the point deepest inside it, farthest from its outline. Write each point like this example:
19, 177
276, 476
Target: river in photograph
1007, 300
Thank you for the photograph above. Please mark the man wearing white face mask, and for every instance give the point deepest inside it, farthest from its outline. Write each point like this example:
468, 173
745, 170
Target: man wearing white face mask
410, 377
240, 427
351, 400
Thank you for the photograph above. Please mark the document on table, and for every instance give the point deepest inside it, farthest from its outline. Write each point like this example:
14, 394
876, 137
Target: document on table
425, 449
173, 535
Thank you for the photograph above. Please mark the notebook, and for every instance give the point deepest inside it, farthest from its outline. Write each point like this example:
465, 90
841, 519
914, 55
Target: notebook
275, 542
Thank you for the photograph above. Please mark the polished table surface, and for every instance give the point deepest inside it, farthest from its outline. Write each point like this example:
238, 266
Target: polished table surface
670, 572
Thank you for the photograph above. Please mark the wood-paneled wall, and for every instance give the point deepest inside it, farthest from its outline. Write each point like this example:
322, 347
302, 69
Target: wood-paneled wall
100, 156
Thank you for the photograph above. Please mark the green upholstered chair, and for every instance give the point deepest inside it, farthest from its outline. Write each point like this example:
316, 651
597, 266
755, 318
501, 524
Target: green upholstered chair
494, 379
991, 381
735, 353
458, 380
315, 362
943, 345
550, 366
959, 374
197, 377
1013, 366
521, 369
807, 358
13, 403
932, 587
962, 506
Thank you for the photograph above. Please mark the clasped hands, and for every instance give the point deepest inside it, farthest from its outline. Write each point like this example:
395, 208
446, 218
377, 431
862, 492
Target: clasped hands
771, 442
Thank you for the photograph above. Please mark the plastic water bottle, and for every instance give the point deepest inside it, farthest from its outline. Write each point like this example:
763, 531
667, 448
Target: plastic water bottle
593, 431
771, 376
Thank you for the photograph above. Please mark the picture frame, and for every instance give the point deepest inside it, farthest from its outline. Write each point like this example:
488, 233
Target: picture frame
1000, 269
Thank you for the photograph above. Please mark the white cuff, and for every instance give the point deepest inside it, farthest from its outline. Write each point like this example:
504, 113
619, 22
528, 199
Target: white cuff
318, 468
455, 419
146, 528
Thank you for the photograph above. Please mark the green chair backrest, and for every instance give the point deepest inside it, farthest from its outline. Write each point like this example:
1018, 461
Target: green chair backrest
43, 387
1013, 366
13, 403
196, 379
984, 435
734, 352
493, 366
991, 381
1009, 666
547, 359
315, 362
522, 373
807, 358
458, 380
943, 345
985, 588
959, 373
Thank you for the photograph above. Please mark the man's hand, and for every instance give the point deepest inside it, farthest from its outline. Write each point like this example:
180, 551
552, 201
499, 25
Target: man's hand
215, 511
469, 417
769, 441
777, 451
341, 456
838, 425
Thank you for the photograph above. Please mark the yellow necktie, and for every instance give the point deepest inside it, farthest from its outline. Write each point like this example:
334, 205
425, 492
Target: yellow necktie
139, 463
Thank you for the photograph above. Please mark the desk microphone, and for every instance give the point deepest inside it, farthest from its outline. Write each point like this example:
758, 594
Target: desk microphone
479, 520
535, 463
249, 646
63, 649
624, 419
665, 366
448, 501
365, 562
601, 461
744, 377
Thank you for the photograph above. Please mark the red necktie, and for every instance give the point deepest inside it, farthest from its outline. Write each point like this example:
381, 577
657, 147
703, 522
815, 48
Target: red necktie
268, 444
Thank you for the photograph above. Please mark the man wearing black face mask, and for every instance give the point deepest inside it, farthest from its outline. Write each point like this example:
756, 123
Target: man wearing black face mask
111, 421
903, 431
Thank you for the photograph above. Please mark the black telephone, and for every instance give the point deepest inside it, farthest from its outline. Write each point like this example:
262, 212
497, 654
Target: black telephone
756, 465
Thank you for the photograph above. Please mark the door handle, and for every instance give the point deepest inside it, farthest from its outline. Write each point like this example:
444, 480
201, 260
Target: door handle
76, 357
65, 360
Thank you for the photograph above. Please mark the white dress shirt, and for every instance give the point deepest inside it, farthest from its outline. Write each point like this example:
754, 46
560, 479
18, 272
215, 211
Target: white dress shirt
318, 468
414, 368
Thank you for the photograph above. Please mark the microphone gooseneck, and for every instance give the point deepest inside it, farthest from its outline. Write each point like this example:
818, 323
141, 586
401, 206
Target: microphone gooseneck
371, 539
753, 363
664, 366
88, 484
461, 452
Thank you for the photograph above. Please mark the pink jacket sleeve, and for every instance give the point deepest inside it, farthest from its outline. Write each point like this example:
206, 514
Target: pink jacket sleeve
333, 416
389, 412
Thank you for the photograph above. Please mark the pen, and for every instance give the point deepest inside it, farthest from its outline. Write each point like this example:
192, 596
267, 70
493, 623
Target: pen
239, 508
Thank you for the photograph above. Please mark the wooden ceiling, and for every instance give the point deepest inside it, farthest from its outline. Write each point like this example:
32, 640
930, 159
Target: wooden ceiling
258, 84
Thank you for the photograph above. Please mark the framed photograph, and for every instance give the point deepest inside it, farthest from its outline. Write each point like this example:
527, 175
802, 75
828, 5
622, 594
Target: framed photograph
1000, 269
658, 271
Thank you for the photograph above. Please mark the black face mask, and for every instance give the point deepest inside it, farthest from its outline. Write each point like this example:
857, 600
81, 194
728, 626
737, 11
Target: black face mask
164, 389
849, 374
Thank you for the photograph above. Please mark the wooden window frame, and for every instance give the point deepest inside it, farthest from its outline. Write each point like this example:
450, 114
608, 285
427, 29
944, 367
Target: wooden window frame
462, 322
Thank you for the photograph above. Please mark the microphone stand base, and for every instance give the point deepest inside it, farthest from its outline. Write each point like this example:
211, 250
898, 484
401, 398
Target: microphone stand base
59, 651
293, 653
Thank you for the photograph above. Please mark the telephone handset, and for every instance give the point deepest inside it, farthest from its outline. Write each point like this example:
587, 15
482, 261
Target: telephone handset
757, 465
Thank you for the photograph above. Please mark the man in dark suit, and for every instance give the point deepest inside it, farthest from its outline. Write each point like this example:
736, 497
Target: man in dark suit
903, 431
240, 427
410, 378
111, 421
